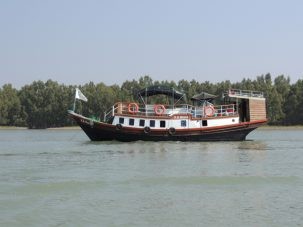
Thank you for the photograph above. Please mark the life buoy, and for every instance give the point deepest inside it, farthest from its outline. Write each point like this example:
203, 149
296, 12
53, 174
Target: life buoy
118, 127
159, 109
171, 130
146, 129
133, 108
209, 111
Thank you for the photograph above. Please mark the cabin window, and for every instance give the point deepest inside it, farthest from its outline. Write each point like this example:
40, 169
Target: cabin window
162, 124
121, 120
131, 121
183, 123
204, 123
142, 123
152, 123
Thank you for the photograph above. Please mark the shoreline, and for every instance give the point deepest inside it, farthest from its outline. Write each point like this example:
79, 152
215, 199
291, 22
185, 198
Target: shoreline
25, 128
277, 127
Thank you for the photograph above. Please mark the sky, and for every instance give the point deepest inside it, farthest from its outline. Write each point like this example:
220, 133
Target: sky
75, 42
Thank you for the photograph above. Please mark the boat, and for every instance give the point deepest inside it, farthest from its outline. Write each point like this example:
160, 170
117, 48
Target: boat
239, 113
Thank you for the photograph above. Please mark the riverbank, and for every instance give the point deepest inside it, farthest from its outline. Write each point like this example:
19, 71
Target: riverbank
278, 127
11, 128
65, 128
23, 128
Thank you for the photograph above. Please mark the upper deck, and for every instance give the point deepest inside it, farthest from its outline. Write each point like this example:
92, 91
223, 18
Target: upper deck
244, 94
249, 105
168, 111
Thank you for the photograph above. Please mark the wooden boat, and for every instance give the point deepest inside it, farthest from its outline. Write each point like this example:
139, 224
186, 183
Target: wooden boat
240, 113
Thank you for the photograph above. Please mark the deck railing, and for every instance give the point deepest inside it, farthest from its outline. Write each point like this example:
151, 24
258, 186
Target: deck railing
245, 93
168, 111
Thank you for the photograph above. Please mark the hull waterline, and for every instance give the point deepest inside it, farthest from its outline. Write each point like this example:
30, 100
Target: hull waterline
98, 131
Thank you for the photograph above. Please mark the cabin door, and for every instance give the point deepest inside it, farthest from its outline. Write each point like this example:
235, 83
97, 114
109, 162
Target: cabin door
244, 110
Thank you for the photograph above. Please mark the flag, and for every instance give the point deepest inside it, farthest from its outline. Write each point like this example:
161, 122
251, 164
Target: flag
79, 95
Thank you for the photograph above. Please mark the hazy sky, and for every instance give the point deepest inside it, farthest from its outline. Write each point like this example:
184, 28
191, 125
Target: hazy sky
74, 42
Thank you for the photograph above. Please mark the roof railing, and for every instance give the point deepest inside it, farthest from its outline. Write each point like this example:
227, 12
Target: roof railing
245, 93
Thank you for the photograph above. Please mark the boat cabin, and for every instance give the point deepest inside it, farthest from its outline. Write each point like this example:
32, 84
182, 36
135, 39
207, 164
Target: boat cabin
238, 106
251, 104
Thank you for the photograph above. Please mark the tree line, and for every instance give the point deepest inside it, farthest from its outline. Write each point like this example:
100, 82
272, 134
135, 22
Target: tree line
45, 104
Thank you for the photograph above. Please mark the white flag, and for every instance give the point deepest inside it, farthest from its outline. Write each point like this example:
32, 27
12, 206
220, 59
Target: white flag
79, 95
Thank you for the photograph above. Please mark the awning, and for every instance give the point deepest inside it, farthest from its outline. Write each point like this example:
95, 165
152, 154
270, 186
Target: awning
160, 90
203, 96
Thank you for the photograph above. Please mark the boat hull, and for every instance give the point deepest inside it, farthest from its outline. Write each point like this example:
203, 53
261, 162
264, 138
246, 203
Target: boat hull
99, 131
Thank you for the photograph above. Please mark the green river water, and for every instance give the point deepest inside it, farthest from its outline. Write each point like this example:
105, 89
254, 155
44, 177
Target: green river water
60, 178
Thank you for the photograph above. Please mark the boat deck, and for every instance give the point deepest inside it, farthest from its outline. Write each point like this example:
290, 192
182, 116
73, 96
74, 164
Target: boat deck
167, 111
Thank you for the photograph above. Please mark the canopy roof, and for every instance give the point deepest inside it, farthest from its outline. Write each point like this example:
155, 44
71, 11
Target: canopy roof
203, 96
160, 90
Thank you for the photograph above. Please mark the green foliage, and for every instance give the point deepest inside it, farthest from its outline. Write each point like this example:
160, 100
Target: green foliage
100, 99
45, 104
10, 107
294, 104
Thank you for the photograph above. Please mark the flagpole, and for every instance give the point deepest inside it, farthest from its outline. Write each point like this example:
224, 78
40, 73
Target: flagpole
78, 95
74, 106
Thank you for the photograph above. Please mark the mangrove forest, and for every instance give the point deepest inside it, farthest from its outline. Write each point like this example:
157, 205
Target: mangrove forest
45, 104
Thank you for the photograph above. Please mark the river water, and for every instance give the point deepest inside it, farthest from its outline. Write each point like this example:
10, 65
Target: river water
60, 178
